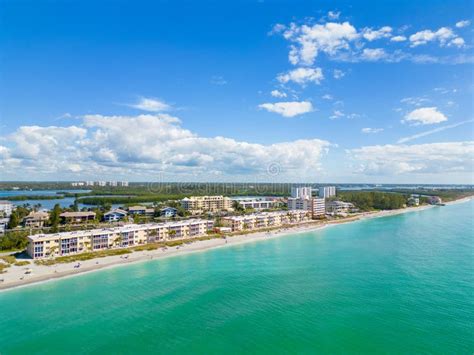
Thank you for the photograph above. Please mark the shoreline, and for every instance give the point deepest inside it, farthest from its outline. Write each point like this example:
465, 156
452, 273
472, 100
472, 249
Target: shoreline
15, 276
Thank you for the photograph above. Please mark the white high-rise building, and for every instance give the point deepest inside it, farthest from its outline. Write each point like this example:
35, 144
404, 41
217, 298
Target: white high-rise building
101, 183
123, 183
301, 192
113, 183
327, 191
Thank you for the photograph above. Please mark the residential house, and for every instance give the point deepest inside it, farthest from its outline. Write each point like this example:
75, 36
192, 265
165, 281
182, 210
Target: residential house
168, 212
36, 219
115, 215
77, 217
434, 200
141, 211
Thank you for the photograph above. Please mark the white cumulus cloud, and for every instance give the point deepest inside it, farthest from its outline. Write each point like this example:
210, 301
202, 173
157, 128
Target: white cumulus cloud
146, 145
371, 35
288, 108
278, 93
463, 23
302, 76
444, 35
398, 39
309, 40
425, 115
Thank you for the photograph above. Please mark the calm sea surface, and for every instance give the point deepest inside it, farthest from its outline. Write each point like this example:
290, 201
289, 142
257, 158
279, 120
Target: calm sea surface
402, 284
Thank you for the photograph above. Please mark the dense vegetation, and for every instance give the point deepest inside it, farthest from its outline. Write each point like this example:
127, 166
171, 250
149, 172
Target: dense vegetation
372, 200
14, 241
32, 197
127, 200
445, 194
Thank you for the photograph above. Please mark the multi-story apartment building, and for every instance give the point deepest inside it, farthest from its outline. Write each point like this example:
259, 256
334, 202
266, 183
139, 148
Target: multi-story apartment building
264, 220
123, 183
339, 207
304, 192
67, 243
200, 204
315, 205
318, 207
327, 191
258, 203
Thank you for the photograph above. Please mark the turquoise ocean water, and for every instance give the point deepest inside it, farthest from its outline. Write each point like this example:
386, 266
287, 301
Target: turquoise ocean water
401, 284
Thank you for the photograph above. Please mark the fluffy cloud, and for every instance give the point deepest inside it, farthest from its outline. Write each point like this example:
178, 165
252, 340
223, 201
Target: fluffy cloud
373, 55
277, 93
147, 145
444, 35
457, 42
151, 105
425, 115
369, 130
288, 108
398, 39
302, 76
371, 35
309, 40
430, 158
463, 23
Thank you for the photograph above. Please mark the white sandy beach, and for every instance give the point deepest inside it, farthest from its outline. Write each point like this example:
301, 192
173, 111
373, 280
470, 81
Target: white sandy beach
15, 276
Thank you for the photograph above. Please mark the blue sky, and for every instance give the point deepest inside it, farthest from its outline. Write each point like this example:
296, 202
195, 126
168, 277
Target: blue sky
292, 91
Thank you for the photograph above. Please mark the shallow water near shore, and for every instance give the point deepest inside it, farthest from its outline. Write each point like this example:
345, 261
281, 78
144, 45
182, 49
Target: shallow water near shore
396, 284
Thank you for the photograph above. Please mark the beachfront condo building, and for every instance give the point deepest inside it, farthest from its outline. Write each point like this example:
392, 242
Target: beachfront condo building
316, 206
303, 192
327, 191
264, 220
42, 246
339, 207
258, 203
200, 204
